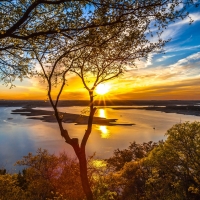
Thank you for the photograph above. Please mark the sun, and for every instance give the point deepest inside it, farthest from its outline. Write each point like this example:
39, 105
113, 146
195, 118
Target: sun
102, 89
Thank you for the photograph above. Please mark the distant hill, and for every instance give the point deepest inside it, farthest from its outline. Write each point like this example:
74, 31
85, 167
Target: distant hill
66, 103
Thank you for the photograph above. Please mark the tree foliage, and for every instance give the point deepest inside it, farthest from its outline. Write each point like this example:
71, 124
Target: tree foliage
177, 161
135, 152
23, 21
9, 188
49, 176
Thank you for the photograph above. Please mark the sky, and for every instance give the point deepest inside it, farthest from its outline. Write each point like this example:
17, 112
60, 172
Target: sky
172, 75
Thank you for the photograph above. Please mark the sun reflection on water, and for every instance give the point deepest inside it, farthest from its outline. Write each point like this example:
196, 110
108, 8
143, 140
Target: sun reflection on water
102, 113
105, 133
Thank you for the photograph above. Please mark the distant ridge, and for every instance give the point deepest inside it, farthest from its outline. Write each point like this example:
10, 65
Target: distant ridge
66, 103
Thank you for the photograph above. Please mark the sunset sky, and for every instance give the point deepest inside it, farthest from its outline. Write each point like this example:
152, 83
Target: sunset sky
173, 75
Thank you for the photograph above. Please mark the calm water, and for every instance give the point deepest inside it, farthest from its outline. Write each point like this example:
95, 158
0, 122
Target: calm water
19, 135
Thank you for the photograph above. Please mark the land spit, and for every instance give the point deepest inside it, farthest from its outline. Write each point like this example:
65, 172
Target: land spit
78, 119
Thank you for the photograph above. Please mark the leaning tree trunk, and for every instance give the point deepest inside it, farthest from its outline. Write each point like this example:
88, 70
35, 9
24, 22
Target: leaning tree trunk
82, 159
84, 175
79, 149
80, 152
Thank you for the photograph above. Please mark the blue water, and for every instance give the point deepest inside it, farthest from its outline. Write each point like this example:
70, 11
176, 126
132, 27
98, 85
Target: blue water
19, 135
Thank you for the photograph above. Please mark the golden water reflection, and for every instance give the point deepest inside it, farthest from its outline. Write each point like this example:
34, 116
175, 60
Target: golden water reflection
102, 113
105, 133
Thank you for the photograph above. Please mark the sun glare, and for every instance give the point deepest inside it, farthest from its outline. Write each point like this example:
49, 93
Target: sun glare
102, 113
104, 132
102, 89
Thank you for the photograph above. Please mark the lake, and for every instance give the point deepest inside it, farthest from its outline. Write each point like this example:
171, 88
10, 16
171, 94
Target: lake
19, 135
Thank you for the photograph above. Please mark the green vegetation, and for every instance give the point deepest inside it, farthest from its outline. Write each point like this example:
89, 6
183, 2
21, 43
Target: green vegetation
168, 170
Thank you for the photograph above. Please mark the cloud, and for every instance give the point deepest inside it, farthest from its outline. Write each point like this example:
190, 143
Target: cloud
175, 29
142, 63
178, 48
181, 70
185, 89
194, 16
164, 58
187, 60
149, 60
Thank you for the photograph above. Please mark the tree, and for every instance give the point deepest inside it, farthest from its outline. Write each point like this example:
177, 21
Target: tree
54, 73
135, 152
9, 188
177, 162
128, 171
91, 58
48, 176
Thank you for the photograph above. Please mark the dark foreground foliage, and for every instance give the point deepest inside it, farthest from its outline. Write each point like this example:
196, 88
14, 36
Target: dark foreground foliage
167, 170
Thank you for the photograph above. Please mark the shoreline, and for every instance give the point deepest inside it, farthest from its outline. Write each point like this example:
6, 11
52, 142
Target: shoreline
184, 110
77, 119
